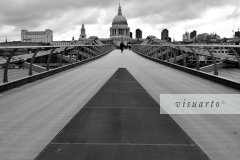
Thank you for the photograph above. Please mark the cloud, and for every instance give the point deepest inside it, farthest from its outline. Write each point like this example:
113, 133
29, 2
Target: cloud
65, 17
167, 11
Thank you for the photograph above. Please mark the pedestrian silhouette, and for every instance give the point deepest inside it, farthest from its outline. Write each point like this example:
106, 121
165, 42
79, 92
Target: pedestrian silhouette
121, 46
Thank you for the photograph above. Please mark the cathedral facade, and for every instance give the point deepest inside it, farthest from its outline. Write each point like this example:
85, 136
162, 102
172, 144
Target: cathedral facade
120, 32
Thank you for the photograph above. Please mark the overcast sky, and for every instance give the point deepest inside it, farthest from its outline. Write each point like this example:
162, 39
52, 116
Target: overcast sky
65, 17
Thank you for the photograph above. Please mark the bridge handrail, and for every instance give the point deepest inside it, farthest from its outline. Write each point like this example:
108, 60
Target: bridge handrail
181, 45
195, 50
50, 46
102, 49
16, 83
202, 74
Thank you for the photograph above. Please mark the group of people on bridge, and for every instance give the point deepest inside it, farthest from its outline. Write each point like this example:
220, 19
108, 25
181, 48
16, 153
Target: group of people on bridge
122, 46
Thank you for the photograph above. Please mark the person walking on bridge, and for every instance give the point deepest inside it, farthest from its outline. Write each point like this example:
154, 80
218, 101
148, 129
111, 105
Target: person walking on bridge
129, 46
121, 46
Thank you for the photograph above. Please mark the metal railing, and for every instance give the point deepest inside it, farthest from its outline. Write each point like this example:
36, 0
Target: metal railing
86, 52
173, 53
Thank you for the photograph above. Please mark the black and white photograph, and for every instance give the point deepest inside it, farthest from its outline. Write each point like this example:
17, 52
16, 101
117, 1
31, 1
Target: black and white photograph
119, 80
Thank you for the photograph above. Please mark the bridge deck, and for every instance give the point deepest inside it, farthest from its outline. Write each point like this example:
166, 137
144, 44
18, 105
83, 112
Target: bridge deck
122, 121
31, 116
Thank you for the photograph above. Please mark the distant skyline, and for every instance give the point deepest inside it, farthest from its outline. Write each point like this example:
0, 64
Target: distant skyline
66, 17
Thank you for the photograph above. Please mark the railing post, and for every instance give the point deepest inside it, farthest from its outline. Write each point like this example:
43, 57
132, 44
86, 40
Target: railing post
5, 77
196, 57
49, 58
152, 52
214, 61
32, 61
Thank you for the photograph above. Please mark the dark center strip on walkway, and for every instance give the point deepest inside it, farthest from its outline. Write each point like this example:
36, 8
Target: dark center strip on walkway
122, 122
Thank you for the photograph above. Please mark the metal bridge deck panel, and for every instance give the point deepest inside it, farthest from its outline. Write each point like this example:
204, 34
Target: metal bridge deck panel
121, 86
122, 123
120, 152
122, 100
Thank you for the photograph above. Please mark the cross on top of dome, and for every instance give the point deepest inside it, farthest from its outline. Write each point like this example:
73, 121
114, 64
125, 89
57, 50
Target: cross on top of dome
119, 10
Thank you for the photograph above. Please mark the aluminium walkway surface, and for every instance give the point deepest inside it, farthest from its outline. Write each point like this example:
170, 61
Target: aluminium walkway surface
122, 122
32, 115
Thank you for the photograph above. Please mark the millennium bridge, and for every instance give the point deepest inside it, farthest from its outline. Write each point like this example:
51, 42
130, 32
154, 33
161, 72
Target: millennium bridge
95, 102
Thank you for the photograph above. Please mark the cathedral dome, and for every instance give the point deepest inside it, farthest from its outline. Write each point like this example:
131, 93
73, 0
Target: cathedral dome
119, 19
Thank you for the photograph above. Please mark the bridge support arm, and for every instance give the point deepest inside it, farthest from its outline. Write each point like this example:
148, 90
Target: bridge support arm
183, 57
5, 77
157, 52
236, 55
92, 51
70, 57
167, 56
32, 61
174, 54
78, 50
196, 56
83, 54
214, 61
161, 53
63, 53
87, 52
49, 58
152, 52
96, 50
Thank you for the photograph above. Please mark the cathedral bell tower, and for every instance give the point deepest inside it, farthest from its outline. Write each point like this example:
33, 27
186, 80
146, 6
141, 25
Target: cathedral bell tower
83, 34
